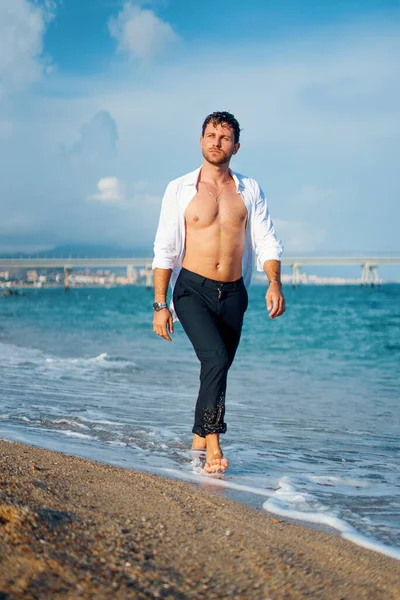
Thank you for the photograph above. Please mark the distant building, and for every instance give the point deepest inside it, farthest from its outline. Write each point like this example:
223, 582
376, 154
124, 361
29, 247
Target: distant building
309, 279
31, 276
131, 275
120, 280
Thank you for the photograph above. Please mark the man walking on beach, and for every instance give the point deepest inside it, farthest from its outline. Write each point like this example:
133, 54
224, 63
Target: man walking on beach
212, 223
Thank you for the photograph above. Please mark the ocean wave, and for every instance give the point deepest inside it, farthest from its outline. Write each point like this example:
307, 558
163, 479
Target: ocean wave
287, 501
330, 480
79, 361
101, 421
28, 358
70, 423
102, 360
74, 434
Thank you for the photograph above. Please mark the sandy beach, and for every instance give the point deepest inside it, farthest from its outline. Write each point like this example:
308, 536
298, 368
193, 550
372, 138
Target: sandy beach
73, 528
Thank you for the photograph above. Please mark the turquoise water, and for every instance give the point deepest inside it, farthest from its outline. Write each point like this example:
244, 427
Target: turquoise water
312, 402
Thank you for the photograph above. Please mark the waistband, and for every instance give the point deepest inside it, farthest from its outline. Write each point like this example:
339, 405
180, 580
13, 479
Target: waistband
210, 283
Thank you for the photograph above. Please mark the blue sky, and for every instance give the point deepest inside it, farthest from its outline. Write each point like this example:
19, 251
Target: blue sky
78, 39
101, 104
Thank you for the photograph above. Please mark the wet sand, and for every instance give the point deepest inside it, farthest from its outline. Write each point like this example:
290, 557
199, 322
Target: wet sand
73, 528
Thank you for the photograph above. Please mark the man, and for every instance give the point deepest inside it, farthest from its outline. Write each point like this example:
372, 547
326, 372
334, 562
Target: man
212, 223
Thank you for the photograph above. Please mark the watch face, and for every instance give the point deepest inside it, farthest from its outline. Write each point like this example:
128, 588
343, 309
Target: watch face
159, 305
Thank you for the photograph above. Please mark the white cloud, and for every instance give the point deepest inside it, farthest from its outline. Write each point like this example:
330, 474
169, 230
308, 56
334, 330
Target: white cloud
320, 133
22, 27
96, 143
300, 237
110, 189
140, 33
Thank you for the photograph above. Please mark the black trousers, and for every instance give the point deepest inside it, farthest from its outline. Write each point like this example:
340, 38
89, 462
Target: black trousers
211, 313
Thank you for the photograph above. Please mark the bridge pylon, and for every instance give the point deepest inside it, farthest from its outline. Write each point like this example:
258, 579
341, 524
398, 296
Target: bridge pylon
149, 277
296, 274
67, 272
369, 274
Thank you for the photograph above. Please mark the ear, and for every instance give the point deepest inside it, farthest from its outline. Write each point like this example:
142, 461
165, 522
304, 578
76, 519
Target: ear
236, 148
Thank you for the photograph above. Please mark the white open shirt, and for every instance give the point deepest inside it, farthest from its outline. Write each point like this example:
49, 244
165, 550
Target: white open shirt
169, 245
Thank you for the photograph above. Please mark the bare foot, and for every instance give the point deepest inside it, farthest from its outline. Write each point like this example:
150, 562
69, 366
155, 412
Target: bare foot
215, 462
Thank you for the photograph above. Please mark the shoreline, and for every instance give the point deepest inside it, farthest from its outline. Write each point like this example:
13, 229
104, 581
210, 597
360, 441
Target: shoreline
75, 528
326, 523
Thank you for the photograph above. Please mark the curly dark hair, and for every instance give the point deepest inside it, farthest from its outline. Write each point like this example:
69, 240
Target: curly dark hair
223, 118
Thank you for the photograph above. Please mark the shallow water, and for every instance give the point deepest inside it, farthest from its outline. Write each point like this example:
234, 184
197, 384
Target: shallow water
312, 402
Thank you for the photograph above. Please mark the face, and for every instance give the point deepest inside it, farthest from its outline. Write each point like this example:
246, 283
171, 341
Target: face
218, 144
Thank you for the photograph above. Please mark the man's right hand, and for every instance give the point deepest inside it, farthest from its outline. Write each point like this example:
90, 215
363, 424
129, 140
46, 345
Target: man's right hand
163, 324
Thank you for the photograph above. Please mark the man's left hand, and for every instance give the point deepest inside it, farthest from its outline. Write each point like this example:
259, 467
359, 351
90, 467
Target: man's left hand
275, 300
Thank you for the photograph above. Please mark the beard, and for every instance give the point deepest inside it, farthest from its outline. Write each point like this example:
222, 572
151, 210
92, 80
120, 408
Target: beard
217, 158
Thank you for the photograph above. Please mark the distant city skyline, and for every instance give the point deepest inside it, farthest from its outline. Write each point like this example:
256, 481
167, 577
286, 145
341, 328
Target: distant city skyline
114, 250
351, 266
102, 105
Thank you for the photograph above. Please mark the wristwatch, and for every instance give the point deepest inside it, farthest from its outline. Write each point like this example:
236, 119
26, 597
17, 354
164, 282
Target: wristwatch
159, 305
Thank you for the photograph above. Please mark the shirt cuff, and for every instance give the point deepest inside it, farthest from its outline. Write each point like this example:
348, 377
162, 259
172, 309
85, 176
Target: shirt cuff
163, 263
270, 254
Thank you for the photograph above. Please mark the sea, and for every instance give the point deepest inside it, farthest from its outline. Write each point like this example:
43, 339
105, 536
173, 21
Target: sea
312, 403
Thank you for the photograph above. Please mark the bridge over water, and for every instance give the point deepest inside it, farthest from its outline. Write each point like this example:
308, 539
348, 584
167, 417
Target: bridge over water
368, 264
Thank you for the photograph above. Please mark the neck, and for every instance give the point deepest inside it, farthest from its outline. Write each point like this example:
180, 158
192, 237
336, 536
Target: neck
217, 174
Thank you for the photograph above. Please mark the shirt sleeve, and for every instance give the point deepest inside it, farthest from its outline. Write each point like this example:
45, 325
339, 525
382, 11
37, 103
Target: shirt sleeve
267, 246
166, 240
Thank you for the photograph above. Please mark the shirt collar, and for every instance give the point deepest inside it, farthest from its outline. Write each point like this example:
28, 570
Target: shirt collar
193, 177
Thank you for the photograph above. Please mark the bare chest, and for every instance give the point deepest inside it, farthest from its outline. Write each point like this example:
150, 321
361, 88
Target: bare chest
204, 211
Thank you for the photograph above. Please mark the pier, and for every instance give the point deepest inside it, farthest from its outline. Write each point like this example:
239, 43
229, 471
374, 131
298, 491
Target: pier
368, 265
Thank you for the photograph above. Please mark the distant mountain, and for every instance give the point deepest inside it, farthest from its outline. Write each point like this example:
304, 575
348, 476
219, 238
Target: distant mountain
86, 251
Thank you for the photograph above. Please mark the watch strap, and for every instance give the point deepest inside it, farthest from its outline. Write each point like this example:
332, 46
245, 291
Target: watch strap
160, 305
